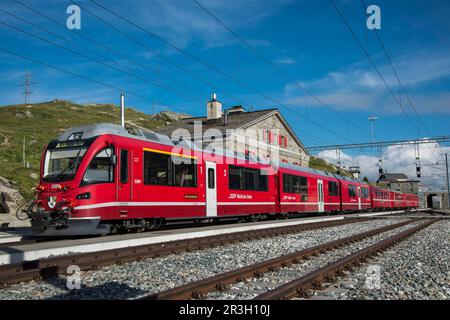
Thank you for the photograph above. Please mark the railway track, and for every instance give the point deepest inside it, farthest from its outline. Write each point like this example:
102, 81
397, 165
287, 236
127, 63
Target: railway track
300, 286
54, 266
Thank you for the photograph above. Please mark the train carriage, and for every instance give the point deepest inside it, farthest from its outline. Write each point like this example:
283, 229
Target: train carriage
102, 178
380, 198
354, 195
307, 190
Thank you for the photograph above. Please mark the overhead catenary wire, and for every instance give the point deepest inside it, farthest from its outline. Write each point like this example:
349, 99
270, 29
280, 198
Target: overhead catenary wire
79, 76
280, 70
398, 78
77, 44
366, 53
101, 62
159, 55
214, 68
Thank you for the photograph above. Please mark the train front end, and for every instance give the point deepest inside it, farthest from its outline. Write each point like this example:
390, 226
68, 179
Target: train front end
65, 164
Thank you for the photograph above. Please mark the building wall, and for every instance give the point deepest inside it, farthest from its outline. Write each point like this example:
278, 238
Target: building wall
405, 186
252, 136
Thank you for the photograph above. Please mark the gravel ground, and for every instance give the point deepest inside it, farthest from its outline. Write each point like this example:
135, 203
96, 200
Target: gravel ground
269, 281
131, 280
418, 268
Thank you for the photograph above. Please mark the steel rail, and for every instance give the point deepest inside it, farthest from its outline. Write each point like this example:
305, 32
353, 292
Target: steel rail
53, 266
300, 286
198, 288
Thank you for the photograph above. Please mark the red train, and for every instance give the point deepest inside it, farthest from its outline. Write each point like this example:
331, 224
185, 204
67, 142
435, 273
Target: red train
101, 178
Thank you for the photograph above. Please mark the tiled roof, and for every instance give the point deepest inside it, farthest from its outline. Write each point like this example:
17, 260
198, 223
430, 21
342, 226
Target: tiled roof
235, 121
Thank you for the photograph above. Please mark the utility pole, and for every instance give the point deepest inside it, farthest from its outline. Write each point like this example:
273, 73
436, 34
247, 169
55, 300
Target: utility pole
23, 153
448, 184
122, 109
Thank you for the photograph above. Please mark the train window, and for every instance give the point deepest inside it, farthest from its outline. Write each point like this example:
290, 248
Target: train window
235, 178
211, 179
351, 190
123, 166
247, 179
250, 176
364, 192
185, 174
101, 169
333, 189
295, 184
263, 183
157, 169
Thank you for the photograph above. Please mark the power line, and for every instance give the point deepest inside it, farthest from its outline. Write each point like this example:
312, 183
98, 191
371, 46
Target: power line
355, 37
208, 65
78, 45
382, 144
171, 62
102, 63
396, 75
79, 76
268, 61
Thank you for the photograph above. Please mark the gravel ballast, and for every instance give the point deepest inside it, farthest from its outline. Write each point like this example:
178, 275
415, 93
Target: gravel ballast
418, 268
134, 279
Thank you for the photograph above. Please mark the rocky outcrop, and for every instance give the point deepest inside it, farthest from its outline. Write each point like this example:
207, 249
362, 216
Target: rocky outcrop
10, 199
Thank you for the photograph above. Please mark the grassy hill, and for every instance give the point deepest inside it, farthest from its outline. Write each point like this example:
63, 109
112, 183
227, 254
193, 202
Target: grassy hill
40, 123
321, 164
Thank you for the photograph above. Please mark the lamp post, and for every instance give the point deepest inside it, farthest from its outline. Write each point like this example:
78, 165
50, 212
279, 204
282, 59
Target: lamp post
448, 184
372, 119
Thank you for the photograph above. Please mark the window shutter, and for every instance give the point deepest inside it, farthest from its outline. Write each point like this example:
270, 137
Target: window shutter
280, 140
285, 141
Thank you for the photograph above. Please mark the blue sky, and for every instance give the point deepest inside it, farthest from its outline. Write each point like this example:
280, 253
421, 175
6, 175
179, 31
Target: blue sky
307, 39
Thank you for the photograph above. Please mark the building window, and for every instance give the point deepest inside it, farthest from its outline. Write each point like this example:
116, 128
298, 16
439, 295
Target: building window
296, 184
241, 178
333, 189
101, 168
159, 169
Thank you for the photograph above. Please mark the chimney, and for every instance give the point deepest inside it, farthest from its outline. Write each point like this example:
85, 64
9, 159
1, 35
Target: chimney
214, 108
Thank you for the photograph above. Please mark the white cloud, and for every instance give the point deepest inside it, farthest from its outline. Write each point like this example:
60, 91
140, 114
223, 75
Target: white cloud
399, 159
184, 23
360, 87
285, 61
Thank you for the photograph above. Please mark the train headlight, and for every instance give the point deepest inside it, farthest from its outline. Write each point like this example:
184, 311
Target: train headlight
84, 196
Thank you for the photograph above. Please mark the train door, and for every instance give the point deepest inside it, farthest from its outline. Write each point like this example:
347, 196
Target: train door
124, 181
320, 195
359, 197
211, 189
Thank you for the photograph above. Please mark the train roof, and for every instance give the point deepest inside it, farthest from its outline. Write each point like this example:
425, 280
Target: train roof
94, 130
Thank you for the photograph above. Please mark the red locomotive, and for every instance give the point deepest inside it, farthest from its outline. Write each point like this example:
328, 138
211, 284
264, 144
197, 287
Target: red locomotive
101, 179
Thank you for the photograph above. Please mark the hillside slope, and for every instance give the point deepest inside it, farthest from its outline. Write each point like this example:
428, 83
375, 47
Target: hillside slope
321, 164
40, 123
